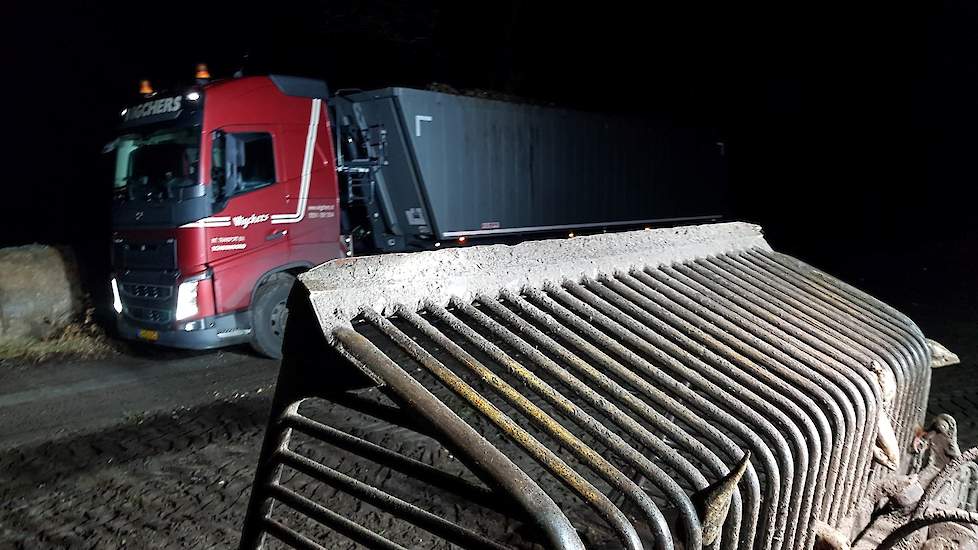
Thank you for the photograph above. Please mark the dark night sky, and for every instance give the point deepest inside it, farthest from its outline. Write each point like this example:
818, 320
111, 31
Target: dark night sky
845, 126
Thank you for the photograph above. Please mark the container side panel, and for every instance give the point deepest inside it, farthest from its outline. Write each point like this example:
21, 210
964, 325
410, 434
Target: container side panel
398, 176
490, 165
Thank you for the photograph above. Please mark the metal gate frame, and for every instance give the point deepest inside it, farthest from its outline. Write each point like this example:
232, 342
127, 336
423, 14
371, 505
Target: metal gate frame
818, 385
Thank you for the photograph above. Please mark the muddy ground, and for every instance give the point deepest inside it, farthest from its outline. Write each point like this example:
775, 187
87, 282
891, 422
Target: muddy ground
162, 455
182, 480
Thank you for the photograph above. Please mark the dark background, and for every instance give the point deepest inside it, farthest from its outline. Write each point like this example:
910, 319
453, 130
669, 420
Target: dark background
850, 130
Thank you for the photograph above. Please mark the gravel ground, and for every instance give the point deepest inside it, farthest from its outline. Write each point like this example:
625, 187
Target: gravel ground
954, 390
182, 480
174, 481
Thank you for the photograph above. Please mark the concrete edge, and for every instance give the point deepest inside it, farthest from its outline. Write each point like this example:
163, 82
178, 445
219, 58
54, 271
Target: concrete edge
340, 289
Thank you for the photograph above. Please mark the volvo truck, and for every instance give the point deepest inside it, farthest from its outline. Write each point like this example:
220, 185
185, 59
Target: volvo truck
225, 190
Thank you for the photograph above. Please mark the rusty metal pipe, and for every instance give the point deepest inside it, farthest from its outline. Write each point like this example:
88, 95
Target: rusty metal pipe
387, 502
717, 301
674, 493
723, 367
681, 363
583, 452
636, 430
856, 372
678, 435
326, 517
543, 455
750, 490
491, 461
771, 532
768, 363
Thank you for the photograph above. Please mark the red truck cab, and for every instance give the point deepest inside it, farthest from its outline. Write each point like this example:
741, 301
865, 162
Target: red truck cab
223, 193
226, 190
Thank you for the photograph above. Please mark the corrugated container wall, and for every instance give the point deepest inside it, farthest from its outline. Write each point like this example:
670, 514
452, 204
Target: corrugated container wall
484, 167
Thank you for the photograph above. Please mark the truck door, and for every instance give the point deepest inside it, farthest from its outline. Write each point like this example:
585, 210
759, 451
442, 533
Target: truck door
314, 224
246, 244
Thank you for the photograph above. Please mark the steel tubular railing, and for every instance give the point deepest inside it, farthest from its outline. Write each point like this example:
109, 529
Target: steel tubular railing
734, 400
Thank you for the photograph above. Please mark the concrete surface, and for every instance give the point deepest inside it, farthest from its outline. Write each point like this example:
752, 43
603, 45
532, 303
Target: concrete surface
340, 289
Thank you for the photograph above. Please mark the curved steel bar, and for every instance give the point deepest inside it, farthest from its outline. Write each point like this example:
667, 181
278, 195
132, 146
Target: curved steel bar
841, 327
773, 527
770, 364
599, 431
492, 462
749, 530
873, 314
838, 287
857, 371
669, 429
728, 369
634, 429
719, 301
739, 402
836, 306
883, 312
547, 458
860, 364
847, 306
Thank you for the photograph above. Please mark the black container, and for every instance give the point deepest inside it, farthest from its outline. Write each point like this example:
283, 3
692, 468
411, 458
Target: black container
462, 166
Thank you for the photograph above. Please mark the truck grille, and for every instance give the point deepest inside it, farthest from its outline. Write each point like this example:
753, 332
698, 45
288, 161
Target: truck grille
689, 388
155, 292
152, 255
156, 316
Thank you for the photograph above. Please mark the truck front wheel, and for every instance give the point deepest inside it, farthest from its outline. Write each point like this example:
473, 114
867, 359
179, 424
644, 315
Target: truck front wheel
269, 314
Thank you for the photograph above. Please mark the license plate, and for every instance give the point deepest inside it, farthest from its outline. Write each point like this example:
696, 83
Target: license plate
151, 335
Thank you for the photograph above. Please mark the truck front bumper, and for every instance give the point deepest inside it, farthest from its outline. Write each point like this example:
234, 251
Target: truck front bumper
207, 333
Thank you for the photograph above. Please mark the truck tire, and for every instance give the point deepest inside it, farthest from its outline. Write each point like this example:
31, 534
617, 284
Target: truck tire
269, 314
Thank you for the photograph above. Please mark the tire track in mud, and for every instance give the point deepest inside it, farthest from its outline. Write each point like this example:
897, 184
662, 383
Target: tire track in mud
179, 480
182, 479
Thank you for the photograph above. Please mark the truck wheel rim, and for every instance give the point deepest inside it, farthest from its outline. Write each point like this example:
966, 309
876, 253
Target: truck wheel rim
280, 314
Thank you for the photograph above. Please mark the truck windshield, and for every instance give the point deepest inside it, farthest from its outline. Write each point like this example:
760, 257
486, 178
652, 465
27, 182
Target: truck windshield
157, 165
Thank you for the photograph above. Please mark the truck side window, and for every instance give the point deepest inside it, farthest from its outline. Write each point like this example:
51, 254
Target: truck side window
255, 160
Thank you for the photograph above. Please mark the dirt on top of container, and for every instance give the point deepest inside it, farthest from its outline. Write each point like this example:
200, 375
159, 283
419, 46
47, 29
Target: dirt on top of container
482, 93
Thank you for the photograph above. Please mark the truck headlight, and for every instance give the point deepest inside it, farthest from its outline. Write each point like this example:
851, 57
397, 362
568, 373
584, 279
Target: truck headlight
116, 299
187, 299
